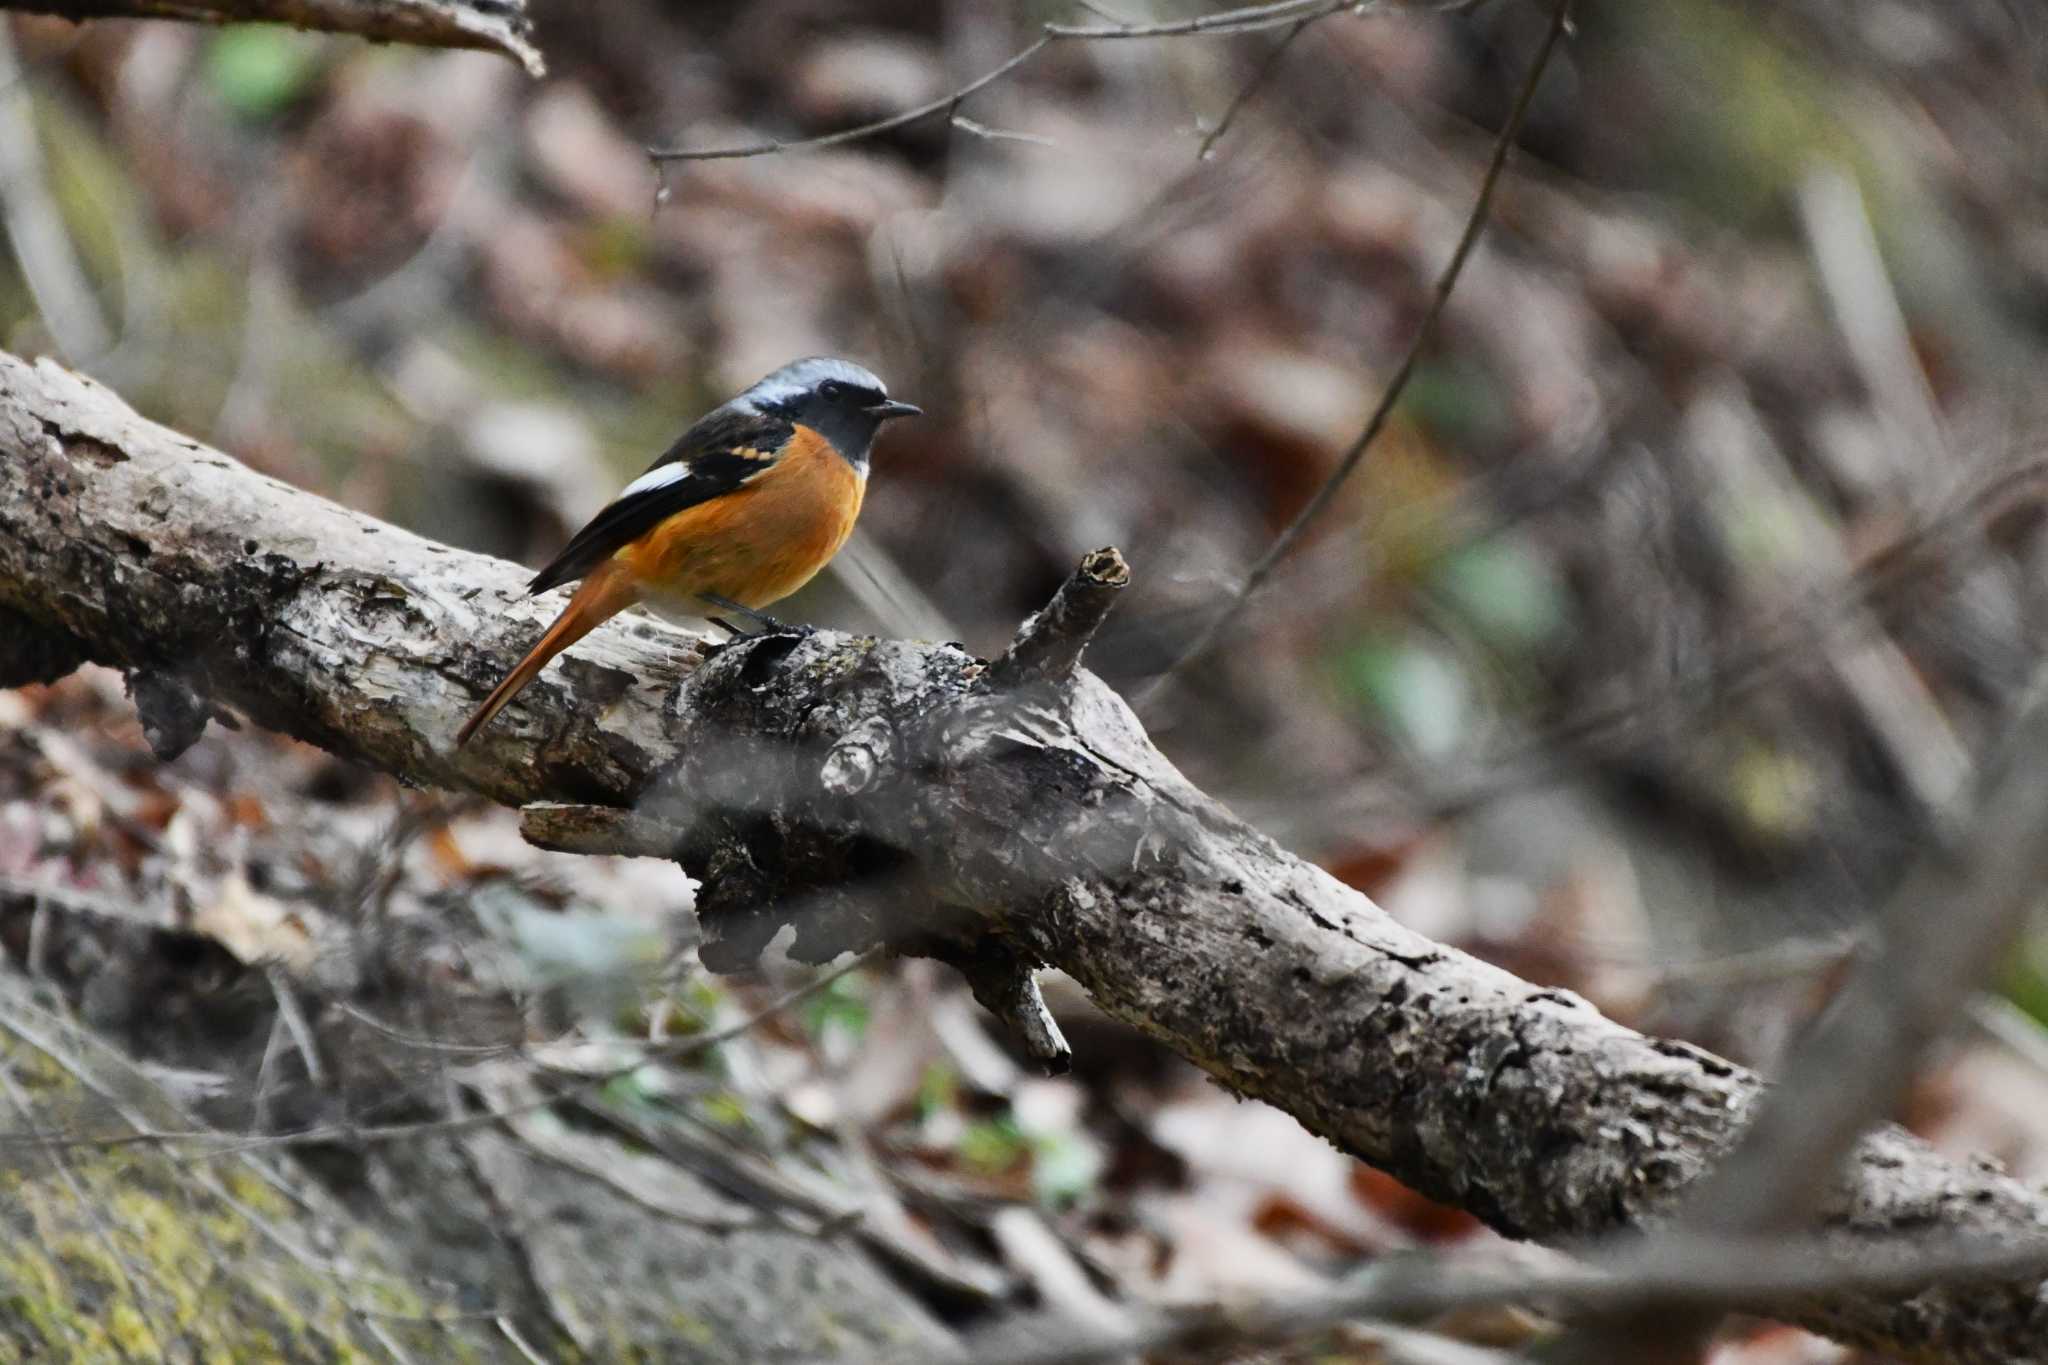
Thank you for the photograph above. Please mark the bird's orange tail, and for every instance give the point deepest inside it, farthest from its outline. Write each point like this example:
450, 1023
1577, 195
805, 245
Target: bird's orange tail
606, 592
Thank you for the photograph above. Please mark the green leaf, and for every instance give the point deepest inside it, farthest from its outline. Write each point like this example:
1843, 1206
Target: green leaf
725, 1109
1065, 1166
1506, 590
1420, 692
841, 1007
938, 1089
993, 1146
1459, 401
258, 69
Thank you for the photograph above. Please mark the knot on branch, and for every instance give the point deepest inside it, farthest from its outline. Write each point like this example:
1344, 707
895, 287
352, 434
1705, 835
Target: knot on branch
173, 715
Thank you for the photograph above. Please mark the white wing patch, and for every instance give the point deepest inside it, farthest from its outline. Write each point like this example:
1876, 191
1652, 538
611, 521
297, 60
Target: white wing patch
661, 477
675, 471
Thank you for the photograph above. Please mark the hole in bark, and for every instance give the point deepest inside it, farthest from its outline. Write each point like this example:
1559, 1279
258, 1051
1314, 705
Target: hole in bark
764, 656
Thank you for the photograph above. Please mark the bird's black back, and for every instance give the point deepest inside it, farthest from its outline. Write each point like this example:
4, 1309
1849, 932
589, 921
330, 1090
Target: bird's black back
722, 450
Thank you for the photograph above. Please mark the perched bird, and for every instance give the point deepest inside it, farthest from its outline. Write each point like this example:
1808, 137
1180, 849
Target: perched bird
741, 511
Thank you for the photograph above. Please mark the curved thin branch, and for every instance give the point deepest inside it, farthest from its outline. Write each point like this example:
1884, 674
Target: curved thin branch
1260, 74
500, 26
945, 104
1252, 19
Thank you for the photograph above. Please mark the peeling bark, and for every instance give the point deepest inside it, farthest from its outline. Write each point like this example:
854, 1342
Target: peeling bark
500, 26
882, 790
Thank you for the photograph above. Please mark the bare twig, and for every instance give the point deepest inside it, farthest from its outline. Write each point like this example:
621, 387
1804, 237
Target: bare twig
1251, 19
1865, 304
234, 1144
1284, 543
1248, 19
945, 104
982, 130
499, 26
35, 224
1264, 70
1676, 1269
1878, 582
1938, 939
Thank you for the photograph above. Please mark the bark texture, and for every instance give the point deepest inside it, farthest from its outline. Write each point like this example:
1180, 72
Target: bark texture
500, 26
865, 789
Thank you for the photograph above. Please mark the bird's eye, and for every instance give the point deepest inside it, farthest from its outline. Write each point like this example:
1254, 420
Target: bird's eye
832, 389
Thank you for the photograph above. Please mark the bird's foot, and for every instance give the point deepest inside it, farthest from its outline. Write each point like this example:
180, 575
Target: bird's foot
763, 623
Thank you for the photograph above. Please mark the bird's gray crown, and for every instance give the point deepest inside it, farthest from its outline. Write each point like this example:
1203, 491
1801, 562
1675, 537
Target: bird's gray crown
838, 399
800, 379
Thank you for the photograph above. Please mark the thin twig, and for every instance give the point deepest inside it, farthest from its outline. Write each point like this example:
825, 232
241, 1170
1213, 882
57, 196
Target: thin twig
231, 1144
1940, 936
982, 130
34, 223
1266, 67
1675, 1268
1284, 543
1251, 19
510, 1330
945, 104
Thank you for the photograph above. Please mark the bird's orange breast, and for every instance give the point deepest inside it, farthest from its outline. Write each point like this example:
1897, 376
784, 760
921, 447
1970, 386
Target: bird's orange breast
762, 541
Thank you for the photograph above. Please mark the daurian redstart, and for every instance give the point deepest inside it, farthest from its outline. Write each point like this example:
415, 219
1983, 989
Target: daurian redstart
740, 512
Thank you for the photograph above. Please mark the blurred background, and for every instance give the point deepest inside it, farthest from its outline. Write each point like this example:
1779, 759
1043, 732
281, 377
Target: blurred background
1701, 558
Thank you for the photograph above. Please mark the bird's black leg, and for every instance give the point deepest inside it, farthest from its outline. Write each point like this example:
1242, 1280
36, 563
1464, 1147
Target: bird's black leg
766, 624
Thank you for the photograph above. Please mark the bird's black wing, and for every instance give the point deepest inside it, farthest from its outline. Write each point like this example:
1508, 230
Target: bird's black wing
722, 451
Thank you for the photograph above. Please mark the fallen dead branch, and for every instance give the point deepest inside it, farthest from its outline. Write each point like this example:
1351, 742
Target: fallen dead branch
914, 795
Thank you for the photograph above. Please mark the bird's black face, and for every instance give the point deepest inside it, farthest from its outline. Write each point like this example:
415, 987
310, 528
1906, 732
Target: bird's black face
840, 401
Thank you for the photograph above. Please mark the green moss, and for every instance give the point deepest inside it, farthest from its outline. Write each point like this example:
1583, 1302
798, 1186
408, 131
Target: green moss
259, 70
692, 1329
138, 1245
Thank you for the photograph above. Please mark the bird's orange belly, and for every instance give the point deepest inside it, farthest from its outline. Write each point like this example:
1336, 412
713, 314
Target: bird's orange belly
761, 542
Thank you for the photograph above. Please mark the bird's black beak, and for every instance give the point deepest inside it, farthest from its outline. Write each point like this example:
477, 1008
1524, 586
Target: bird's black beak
883, 411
